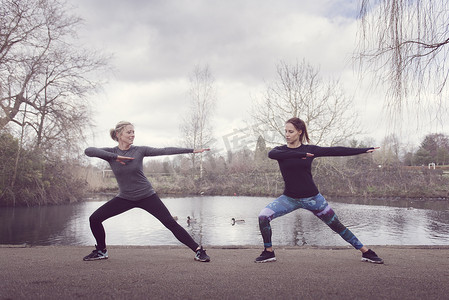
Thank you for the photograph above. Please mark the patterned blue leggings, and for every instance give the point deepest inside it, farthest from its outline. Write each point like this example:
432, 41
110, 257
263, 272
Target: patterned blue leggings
316, 204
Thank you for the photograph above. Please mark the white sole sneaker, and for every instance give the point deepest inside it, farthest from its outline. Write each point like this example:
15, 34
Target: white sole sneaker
273, 259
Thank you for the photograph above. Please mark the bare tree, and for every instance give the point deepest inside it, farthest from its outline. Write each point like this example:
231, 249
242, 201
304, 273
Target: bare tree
299, 91
405, 44
196, 128
60, 110
44, 80
43, 68
390, 150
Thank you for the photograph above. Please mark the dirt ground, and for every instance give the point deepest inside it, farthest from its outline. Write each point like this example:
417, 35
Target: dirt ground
171, 273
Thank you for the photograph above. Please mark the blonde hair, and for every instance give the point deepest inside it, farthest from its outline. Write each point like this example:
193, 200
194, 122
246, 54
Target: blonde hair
118, 129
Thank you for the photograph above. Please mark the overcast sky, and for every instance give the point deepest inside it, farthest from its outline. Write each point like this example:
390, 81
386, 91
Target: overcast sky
157, 44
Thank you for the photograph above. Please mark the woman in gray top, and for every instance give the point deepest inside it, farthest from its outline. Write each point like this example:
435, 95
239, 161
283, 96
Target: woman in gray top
126, 161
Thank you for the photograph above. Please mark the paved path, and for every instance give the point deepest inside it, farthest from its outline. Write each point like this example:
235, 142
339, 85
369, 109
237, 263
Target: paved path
171, 273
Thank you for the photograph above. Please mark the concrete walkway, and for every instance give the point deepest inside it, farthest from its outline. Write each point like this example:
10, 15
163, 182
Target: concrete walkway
58, 272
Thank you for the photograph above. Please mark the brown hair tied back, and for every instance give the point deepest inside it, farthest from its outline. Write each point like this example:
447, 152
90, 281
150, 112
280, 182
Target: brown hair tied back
300, 125
118, 129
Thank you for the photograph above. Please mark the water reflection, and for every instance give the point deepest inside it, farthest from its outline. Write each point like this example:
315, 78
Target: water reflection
34, 225
384, 223
409, 203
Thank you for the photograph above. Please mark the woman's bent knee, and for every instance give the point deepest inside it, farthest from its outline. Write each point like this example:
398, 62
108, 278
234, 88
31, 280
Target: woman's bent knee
94, 219
265, 215
264, 220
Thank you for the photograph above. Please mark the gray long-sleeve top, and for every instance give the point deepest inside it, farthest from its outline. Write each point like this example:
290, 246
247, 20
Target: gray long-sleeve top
132, 182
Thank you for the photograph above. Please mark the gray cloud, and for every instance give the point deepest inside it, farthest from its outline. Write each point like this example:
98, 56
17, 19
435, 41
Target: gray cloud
156, 45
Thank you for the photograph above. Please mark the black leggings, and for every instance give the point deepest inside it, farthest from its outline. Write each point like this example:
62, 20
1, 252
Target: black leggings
152, 204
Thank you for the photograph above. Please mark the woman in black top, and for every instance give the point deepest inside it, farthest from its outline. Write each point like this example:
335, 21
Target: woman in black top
295, 162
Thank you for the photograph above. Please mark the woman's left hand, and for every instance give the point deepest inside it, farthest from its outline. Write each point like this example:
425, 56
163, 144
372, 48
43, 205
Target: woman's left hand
123, 159
201, 150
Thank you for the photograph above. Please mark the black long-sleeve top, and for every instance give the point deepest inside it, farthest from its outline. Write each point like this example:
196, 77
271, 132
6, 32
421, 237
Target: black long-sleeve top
296, 167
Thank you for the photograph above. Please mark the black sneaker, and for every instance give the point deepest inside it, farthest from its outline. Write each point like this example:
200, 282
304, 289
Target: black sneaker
371, 256
201, 255
97, 255
266, 256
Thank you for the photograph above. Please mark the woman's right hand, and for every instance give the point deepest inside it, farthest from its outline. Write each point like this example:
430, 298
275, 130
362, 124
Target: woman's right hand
372, 150
123, 159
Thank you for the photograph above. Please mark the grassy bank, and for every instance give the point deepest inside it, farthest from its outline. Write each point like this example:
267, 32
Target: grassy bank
375, 182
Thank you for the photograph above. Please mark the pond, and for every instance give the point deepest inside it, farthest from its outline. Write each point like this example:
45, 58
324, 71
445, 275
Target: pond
374, 222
